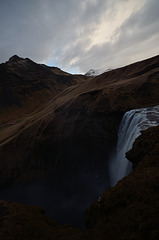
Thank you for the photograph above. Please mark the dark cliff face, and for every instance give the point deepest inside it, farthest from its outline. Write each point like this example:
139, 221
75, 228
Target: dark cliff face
69, 137
130, 210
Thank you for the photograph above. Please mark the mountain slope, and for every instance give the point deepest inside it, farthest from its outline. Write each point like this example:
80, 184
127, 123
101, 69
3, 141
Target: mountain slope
25, 85
69, 139
82, 120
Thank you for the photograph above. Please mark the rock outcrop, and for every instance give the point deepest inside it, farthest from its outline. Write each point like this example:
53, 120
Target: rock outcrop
18, 221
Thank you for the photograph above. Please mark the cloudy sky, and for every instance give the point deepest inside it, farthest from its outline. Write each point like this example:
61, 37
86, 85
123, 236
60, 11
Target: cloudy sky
77, 35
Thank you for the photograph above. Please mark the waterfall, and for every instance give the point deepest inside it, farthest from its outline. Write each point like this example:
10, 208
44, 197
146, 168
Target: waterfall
133, 122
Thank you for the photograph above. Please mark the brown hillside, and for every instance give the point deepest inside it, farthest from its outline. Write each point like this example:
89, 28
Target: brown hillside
80, 120
68, 137
25, 86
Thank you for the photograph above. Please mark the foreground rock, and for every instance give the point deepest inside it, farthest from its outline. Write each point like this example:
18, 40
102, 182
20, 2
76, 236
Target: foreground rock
18, 221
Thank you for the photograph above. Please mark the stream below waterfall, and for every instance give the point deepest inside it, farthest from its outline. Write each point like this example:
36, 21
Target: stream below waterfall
132, 123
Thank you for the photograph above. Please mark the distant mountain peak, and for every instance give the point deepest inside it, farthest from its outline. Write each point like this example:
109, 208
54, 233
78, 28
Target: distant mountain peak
93, 72
14, 58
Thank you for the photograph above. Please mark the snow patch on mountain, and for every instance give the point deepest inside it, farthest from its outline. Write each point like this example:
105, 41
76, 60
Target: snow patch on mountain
93, 72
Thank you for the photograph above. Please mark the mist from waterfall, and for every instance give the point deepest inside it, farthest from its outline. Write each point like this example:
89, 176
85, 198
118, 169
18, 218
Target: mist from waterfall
133, 122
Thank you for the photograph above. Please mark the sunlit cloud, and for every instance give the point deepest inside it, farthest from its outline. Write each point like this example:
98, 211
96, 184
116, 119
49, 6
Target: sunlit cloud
79, 35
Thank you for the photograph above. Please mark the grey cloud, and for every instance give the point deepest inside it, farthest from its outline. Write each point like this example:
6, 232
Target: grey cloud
35, 28
140, 27
52, 30
149, 14
138, 38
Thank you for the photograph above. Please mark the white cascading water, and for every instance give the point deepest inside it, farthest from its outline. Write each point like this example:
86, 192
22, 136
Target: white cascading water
133, 122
